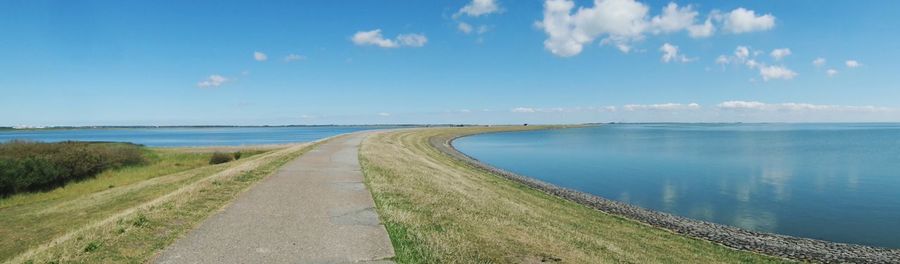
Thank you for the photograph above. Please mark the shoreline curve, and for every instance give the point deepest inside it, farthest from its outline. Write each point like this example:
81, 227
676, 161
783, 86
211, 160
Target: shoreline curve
790, 247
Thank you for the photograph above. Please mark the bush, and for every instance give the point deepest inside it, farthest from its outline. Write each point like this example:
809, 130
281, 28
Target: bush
30, 166
237, 155
220, 157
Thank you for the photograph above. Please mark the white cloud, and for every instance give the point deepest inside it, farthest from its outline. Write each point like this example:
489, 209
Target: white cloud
673, 19
722, 59
670, 53
831, 72
620, 23
464, 27
741, 105
662, 107
259, 56
213, 81
374, 38
778, 54
523, 110
412, 40
476, 8
742, 52
742, 20
293, 57
852, 64
752, 64
760, 106
384, 114
819, 62
702, 30
776, 72
479, 8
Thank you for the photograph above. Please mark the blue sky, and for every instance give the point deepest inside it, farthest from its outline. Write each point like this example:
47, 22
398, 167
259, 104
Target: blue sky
473, 61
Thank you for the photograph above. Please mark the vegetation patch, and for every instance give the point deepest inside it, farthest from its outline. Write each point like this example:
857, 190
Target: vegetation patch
32, 166
219, 158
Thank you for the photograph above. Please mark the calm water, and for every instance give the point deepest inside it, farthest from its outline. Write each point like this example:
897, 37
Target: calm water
837, 182
171, 137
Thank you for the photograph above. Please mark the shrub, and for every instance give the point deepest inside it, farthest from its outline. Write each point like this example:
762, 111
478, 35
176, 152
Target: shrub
92, 246
30, 166
237, 155
220, 157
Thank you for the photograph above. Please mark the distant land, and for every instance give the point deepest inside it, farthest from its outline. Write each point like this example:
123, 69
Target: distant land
212, 126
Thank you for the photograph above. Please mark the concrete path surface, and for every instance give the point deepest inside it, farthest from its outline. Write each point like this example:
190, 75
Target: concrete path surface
315, 209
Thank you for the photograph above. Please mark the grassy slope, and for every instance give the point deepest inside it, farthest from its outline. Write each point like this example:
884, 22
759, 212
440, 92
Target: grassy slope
126, 215
438, 209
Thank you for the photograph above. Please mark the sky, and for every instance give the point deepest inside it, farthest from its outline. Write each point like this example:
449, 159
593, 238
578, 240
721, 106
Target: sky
467, 61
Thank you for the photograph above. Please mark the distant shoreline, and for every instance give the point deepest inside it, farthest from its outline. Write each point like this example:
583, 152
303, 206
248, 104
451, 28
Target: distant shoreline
200, 126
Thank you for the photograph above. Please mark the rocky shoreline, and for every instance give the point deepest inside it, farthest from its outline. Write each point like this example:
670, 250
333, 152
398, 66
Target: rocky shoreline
794, 248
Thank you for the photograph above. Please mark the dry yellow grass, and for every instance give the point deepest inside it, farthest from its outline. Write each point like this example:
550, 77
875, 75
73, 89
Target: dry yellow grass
441, 210
144, 216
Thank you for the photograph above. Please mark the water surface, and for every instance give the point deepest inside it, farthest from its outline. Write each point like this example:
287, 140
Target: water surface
836, 182
187, 136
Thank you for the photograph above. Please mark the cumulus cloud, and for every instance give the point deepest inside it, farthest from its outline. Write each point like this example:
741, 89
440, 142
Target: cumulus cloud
374, 38
742, 55
673, 19
852, 64
831, 72
778, 54
478, 8
776, 72
702, 30
622, 22
670, 54
662, 107
819, 62
293, 57
259, 56
742, 20
213, 81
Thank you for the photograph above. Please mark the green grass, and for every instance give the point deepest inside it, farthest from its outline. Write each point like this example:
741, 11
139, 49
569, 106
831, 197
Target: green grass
126, 206
441, 210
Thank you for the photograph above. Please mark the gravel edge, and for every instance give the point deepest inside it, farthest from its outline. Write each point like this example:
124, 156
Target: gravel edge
794, 248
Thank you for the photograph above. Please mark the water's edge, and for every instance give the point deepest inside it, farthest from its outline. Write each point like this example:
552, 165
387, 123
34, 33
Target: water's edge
796, 248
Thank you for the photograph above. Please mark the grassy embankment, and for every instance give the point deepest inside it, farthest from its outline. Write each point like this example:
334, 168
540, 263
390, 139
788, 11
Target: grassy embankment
438, 209
127, 214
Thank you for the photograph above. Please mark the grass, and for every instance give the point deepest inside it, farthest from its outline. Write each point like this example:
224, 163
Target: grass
129, 214
441, 210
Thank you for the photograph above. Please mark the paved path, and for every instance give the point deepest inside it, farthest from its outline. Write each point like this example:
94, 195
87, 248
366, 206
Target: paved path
315, 209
